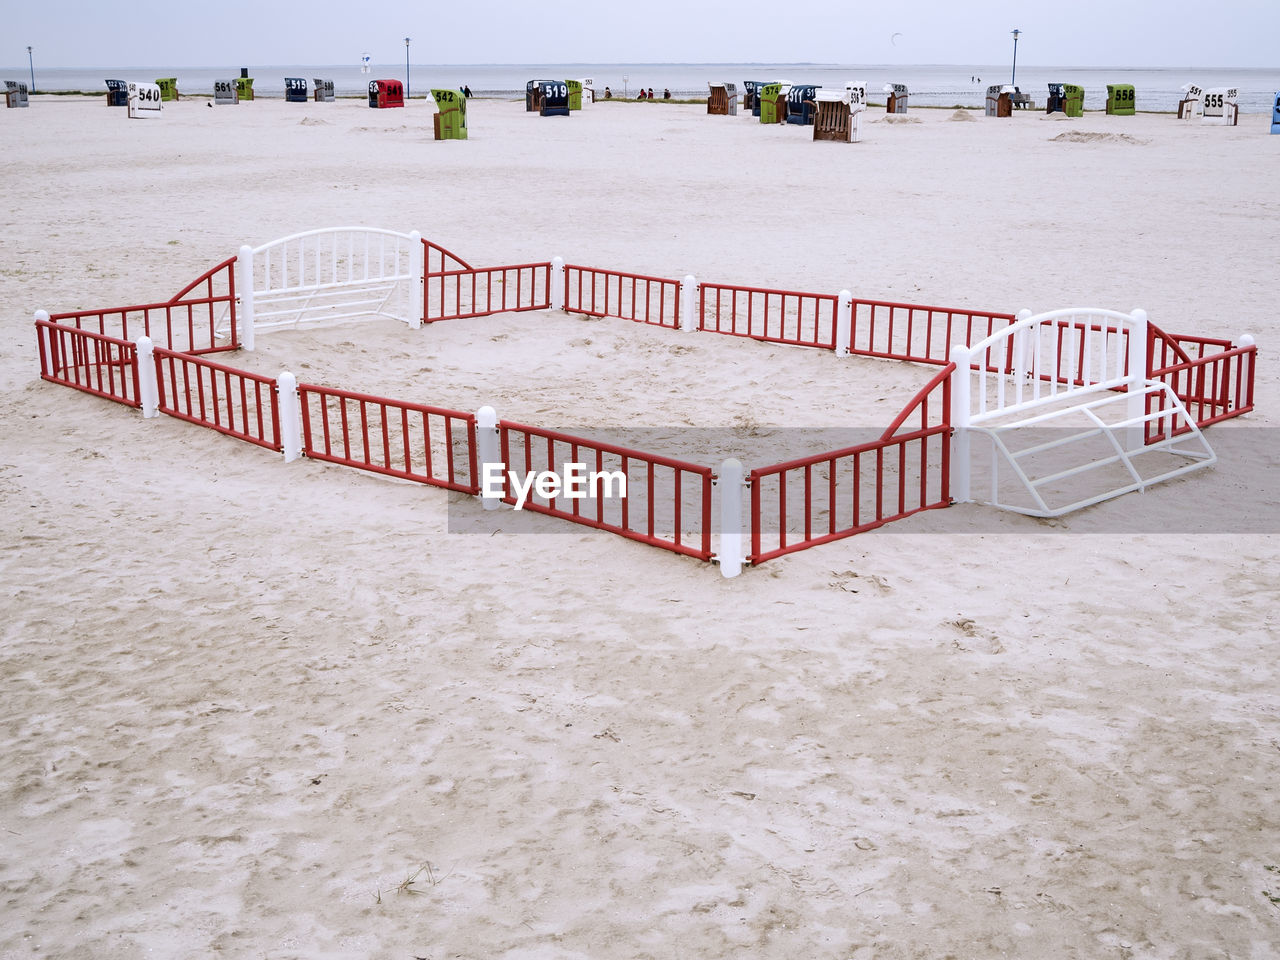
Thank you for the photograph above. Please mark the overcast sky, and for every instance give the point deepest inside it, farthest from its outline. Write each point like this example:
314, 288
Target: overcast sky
1136, 33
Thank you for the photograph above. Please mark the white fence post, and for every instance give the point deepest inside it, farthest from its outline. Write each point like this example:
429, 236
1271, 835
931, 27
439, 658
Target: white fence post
1136, 405
148, 389
417, 278
688, 304
557, 283
1024, 360
290, 416
244, 280
961, 382
489, 451
844, 322
732, 554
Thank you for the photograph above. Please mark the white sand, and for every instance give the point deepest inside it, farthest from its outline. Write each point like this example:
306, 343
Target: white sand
245, 702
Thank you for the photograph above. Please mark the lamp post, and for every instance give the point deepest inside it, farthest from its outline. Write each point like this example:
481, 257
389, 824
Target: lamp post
31, 63
406, 68
1014, 78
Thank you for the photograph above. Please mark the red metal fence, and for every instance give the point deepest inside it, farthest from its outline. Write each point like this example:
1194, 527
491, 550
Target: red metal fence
630, 296
454, 294
777, 316
921, 334
436, 259
93, 362
412, 441
832, 495
662, 501
1213, 386
231, 401
667, 502
186, 323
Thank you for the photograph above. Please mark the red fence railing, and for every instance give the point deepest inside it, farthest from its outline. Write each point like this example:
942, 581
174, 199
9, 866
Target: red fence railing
436, 259
231, 401
93, 362
1213, 387
922, 334
455, 294
629, 296
832, 495
778, 316
187, 322
412, 441
660, 501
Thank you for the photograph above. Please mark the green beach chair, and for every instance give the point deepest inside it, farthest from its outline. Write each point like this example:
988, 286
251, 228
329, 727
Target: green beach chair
1120, 100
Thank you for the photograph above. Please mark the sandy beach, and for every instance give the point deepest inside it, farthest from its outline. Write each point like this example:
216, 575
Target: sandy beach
258, 709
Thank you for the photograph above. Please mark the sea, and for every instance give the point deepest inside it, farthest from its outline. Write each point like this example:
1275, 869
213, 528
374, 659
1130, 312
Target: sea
930, 85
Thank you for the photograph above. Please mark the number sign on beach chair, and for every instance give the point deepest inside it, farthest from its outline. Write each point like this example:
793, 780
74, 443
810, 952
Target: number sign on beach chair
553, 98
897, 102
168, 88
244, 88
295, 90
145, 100
1275, 115
224, 92
1220, 106
1189, 105
800, 103
117, 93
386, 93
1120, 100
450, 122
323, 90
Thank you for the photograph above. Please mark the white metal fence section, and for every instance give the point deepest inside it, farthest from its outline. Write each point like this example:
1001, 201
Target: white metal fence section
1065, 416
328, 276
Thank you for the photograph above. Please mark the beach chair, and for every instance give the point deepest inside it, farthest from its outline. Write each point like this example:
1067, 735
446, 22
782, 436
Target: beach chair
553, 98
117, 93
897, 101
384, 94
1220, 106
773, 103
801, 101
1189, 105
295, 90
244, 88
1121, 101
224, 92
450, 120
15, 94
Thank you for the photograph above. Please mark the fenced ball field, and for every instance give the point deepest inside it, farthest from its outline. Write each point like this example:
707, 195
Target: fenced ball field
1130, 394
